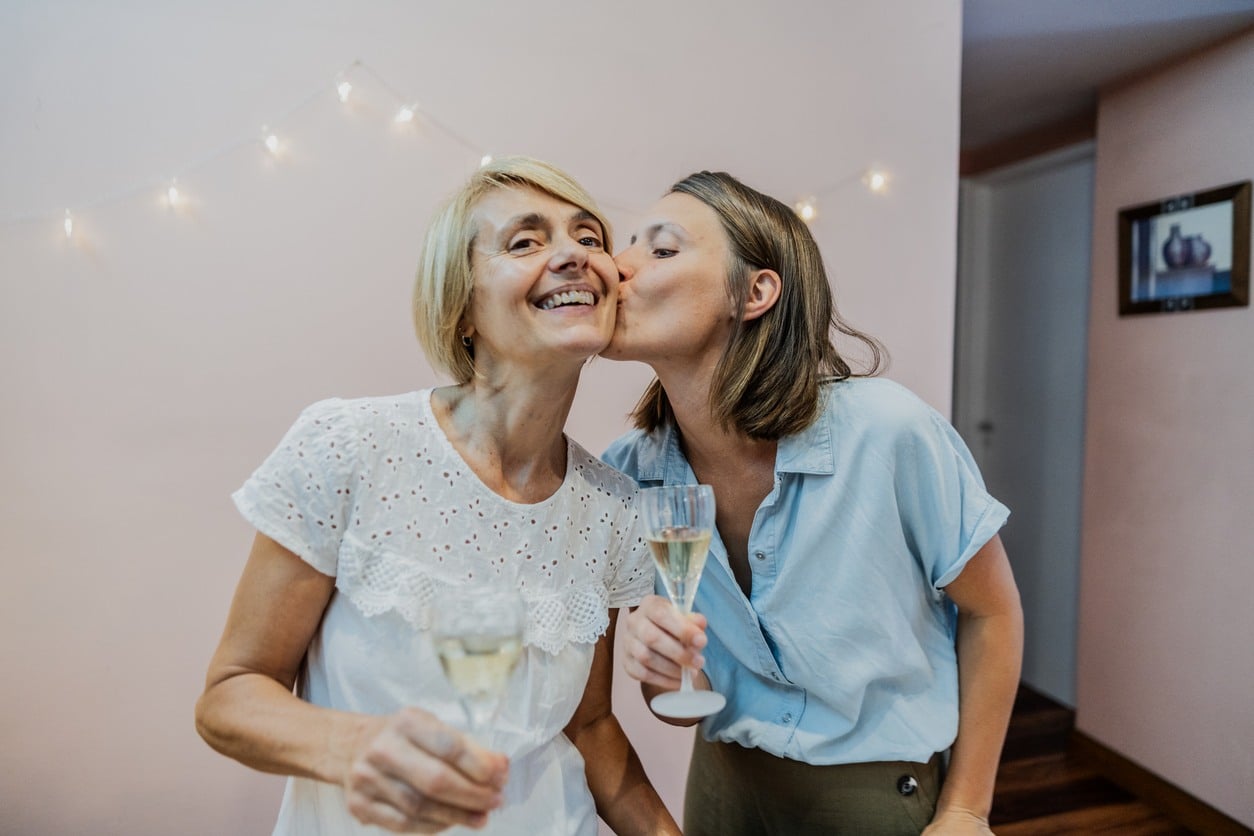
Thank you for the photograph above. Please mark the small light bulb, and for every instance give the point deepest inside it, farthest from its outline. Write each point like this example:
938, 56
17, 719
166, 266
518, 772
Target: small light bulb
271, 141
69, 224
487, 158
806, 209
876, 181
405, 114
343, 89
172, 194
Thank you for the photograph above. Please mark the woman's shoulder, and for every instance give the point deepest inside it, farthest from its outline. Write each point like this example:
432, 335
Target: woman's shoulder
886, 417
370, 411
357, 429
603, 476
875, 399
634, 451
383, 406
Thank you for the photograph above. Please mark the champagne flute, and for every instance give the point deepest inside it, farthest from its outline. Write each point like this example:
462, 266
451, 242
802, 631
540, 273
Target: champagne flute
478, 635
678, 522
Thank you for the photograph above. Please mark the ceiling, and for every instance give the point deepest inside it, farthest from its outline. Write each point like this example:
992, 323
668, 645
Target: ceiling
1028, 64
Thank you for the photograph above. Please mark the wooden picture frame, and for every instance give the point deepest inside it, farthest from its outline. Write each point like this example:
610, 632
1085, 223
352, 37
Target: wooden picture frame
1185, 253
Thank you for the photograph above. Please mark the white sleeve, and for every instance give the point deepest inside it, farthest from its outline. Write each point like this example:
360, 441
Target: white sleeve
301, 495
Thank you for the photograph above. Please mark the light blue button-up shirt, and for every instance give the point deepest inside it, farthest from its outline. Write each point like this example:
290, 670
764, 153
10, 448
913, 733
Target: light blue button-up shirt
844, 652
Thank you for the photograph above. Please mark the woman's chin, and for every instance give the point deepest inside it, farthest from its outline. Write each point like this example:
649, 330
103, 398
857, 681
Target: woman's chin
614, 351
577, 353
619, 347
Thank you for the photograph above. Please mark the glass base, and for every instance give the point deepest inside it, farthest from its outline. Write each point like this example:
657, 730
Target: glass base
687, 704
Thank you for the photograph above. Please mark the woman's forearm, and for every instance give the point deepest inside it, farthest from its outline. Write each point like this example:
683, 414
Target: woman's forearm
255, 720
989, 659
624, 797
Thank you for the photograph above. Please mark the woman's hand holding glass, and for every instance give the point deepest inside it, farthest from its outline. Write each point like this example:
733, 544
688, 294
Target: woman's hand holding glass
411, 773
415, 774
678, 523
659, 642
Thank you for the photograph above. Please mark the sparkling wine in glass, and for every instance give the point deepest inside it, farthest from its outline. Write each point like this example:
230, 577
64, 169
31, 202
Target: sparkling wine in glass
478, 635
678, 522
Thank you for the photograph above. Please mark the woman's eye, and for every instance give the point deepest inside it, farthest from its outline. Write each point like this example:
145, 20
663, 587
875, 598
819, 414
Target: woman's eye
521, 244
590, 241
662, 252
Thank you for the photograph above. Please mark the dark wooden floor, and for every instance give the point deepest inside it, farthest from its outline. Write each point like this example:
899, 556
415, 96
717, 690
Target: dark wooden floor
1043, 789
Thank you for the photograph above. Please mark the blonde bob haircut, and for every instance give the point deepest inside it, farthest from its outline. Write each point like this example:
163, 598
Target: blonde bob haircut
767, 381
445, 278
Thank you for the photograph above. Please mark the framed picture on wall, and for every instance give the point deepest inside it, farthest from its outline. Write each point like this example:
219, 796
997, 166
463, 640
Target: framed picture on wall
1187, 252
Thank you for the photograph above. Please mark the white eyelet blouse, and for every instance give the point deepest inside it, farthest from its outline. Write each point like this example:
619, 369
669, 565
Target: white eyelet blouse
371, 492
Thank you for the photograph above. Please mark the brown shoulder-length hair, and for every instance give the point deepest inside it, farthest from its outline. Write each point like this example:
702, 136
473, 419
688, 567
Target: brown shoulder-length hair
766, 384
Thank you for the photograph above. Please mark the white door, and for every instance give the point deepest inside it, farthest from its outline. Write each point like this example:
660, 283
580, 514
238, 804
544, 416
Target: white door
1019, 381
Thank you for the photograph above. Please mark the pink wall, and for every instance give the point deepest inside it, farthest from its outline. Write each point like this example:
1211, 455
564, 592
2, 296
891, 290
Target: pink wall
1166, 650
149, 364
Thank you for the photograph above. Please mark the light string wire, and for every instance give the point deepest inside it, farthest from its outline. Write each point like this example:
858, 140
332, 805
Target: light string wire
806, 207
124, 195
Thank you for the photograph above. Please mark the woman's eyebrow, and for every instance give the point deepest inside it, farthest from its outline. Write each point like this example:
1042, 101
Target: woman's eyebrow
584, 216
529, 220
653, 230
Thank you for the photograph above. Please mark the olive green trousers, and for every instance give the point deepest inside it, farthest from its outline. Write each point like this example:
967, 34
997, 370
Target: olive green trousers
734, 791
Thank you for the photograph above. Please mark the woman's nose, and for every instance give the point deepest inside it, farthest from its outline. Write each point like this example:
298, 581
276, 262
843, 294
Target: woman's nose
569, 255
623, 262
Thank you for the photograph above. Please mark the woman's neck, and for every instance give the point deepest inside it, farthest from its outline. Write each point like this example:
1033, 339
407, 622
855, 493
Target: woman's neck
510, 434
708, 445
739, 468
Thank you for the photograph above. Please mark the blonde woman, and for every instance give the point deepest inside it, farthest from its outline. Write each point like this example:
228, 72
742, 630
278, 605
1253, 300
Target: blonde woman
370, 509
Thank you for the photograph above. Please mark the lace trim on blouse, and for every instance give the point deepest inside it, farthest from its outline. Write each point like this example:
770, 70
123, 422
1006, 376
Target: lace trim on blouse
379, 583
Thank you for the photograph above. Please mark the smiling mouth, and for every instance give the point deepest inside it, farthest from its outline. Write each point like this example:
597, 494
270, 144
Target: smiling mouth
566, 299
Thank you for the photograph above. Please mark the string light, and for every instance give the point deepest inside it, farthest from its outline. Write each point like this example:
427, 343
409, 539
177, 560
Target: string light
876, 179
271, 141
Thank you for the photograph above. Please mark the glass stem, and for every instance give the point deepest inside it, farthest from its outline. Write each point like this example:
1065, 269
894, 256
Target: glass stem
481, 713
685, 679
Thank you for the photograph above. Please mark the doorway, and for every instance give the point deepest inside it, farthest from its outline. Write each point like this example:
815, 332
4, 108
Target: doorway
1024, 248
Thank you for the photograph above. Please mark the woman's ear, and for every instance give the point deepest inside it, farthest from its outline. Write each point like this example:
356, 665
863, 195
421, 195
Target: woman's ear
764, 290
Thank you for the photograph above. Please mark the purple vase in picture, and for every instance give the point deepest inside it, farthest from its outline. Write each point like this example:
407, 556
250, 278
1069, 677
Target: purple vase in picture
1199, 251
1177, 249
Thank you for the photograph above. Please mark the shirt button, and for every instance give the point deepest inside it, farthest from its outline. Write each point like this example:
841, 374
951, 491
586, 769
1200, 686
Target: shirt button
906, 785
760, 555
787, 718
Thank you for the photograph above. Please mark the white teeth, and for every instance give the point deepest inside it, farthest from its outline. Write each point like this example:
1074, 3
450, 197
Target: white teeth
569, 297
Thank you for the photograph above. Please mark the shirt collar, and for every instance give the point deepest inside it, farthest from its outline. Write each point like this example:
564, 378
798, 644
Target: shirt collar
809, 451
660, 459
